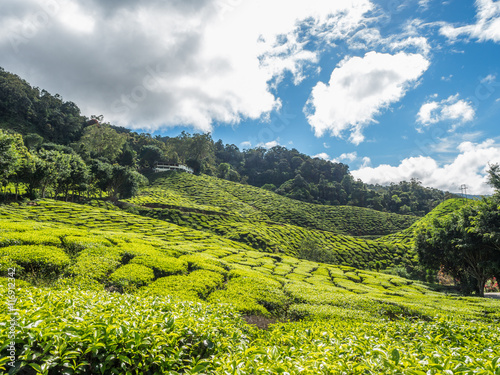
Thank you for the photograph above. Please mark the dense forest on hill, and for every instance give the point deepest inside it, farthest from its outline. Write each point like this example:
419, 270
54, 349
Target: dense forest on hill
98, 156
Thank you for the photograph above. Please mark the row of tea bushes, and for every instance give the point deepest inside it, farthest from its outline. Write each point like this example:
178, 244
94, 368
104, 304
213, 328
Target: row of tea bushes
259, 204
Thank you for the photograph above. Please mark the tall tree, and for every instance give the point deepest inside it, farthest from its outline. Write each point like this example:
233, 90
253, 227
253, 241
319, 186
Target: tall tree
103, 141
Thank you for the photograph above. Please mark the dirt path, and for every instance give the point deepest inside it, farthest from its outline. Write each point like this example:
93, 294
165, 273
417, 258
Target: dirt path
492, 295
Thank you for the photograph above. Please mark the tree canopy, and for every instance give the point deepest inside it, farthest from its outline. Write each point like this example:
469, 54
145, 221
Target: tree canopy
467, 244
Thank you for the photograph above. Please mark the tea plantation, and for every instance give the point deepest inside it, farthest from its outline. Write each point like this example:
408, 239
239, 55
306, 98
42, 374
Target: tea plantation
170, 190
103, 291
269, 222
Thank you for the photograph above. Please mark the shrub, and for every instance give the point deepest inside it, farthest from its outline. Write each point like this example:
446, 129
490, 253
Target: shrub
162, 265
203, 262
95, 263
37, 262
131, 276
195, 286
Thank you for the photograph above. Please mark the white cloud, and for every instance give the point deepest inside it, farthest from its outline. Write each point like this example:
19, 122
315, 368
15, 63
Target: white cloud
409, 40
489, 78
322, 155
418, 42
487, 26
424, 4
469, 168
246, 144
154, 63
367, 162
450, 109
359, 89
351, 156
269, 144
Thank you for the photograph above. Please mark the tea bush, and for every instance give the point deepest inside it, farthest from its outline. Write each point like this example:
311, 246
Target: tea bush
161, 265
131, 276
39, 262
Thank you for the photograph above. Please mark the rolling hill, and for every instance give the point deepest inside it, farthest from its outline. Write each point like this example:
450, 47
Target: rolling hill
203, 192
104, 290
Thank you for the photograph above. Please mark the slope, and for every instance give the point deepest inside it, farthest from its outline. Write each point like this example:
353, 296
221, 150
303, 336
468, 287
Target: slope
186, 291
406, 237
250, 202
224, 208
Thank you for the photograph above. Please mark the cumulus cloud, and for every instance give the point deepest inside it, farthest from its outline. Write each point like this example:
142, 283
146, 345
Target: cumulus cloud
155, 63
360, 88
469, 167
487, 26
450, 109
350, 157
322, 155
269, 144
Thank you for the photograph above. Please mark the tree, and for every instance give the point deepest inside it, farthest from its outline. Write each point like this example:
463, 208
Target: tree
149, 155
125, 182
466, 245
33, 141
494, 177
76, 176
103, 141
12, 154
101, 175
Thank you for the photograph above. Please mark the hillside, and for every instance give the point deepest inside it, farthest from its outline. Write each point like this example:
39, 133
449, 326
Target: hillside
184, 191
268, 222
186, 293
406, 237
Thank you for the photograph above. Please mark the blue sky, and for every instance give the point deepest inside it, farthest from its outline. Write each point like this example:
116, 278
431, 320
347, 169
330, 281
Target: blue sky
395, 89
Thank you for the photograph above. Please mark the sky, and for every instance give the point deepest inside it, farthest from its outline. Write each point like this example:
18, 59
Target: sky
396, 89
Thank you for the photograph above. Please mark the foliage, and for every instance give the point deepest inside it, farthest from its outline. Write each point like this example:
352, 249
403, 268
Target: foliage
162, 265
494, 177
102, 141
75, 332
217, 195
36, 261
131, 276
353, 321
12, 153
466, 244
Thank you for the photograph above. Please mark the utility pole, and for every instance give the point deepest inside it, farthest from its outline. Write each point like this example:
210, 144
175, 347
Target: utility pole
463, 190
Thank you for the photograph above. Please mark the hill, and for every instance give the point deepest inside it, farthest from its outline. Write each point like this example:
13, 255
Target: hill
187, 291
272, 223
206, 193
406, 237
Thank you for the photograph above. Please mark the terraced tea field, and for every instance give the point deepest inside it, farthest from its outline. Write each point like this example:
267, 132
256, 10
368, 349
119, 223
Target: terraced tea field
204, 192
100, 290
268, 222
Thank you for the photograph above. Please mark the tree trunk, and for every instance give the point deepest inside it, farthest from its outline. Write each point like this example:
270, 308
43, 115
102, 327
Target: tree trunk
481, 282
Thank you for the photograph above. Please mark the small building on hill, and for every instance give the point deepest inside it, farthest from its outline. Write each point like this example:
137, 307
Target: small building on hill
164, 167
